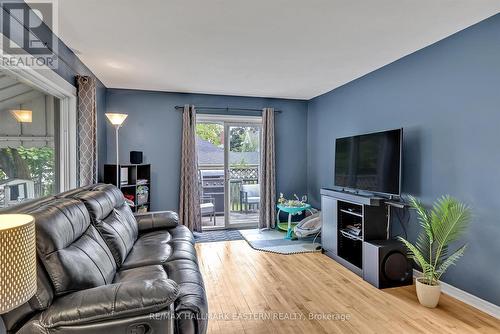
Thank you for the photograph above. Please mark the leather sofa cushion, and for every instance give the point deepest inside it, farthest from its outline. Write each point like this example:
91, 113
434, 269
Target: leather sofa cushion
161, 321
119, 230
28, 206
181, 232
184, 271
113, 218
101, 200
72, 192
158, 248
151, 221
140, 274
72, 251
191, 306
178, 233
108, 302
59, 224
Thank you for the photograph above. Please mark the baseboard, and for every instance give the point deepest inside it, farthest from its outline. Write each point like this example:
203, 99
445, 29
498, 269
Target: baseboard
467, 298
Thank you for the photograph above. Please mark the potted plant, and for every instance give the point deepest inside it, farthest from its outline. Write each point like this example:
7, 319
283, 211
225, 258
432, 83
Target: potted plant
441, 226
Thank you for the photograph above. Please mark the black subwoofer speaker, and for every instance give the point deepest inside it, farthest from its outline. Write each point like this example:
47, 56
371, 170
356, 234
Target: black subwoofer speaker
136, 157
385, 264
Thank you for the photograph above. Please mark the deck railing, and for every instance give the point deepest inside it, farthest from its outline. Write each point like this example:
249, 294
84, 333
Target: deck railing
238, 176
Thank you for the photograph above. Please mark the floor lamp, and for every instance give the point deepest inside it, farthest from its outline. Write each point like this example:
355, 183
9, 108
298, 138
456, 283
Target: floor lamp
117, 121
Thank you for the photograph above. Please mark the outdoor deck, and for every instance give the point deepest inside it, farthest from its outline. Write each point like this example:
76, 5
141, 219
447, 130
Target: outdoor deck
236, 218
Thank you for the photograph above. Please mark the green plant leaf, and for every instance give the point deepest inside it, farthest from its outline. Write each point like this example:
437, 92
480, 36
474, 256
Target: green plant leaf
415, 254
423, 217
450, 261
442, 256
444, 224
423, 244
452, 218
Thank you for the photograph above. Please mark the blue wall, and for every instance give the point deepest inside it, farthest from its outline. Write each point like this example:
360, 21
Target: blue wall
154, 127
447, 98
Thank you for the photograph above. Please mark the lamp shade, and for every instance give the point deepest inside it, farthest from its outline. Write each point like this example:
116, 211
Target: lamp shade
17, 260
22, 115
116, 119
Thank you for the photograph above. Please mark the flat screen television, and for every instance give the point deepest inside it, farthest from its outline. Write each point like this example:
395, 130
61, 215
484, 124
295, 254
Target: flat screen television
370, 162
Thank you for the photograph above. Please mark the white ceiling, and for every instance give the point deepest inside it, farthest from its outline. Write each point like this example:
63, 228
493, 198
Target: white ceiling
272, 48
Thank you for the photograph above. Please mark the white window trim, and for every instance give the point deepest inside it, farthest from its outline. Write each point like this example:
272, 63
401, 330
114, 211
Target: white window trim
50, 82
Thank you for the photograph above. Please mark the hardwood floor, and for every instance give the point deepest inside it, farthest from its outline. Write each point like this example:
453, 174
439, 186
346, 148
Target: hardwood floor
249, 288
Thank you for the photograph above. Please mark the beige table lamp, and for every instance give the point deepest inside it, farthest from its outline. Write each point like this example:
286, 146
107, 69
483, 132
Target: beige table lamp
17, 260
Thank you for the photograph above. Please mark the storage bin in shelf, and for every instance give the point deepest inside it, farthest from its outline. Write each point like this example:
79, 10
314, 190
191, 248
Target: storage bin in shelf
142, 199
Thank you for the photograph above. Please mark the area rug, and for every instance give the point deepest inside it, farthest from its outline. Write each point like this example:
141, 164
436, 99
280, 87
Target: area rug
214, 236
274, 241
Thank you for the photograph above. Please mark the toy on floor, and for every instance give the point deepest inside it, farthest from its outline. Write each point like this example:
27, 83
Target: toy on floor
311, 225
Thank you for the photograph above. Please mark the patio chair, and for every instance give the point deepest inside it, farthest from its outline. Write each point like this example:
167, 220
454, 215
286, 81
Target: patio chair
207, 206
249, 196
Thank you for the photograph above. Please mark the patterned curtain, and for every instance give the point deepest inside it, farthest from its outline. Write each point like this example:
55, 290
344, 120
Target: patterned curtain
87, 130
189, 208
267, 174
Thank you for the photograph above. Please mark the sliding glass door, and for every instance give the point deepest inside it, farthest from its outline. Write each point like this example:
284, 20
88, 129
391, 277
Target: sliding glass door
210, 148
228, 159
242, 170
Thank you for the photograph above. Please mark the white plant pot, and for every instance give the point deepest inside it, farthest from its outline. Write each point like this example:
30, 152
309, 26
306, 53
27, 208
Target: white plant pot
428, 295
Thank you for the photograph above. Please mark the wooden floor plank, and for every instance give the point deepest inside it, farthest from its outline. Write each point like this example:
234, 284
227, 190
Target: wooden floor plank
271, 293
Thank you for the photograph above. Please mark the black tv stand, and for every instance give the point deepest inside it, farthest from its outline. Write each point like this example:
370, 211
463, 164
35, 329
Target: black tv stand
343, 210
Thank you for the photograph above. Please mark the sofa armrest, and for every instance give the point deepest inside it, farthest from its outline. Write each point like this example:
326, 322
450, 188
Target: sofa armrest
110, 302
150, 221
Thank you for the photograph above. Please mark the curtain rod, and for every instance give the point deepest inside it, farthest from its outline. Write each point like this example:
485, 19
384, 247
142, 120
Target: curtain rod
226, 109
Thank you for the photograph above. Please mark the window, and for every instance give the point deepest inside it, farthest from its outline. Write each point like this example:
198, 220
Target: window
30, 128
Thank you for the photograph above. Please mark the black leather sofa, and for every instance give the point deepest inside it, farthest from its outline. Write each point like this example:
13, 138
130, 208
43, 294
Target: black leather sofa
103, 270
